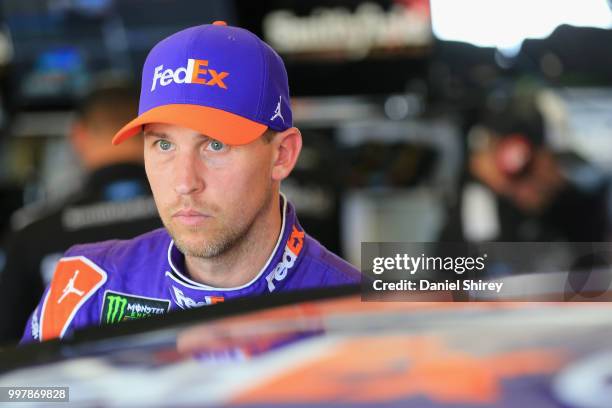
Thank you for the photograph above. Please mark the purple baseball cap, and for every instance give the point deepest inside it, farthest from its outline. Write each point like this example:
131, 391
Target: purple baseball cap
224, 82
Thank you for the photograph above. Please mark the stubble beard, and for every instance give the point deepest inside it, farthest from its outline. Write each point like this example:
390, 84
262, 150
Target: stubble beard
229, 237
213, 247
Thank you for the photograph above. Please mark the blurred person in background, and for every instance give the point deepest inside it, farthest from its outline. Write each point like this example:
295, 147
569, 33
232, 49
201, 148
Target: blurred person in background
114, 202
517, 189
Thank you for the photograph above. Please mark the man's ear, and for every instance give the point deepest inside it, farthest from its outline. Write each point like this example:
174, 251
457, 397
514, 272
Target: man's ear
288, 145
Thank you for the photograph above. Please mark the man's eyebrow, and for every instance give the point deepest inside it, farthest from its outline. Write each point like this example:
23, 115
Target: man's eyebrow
161, 135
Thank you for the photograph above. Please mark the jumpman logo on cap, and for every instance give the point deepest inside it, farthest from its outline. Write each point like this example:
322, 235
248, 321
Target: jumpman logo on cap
277, 111
70, 288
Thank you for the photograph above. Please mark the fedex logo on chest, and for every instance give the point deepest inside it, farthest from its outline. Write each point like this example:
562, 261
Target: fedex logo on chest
290, 255
196, 72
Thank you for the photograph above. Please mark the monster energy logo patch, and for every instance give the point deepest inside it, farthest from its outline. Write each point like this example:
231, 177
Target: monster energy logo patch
118, 307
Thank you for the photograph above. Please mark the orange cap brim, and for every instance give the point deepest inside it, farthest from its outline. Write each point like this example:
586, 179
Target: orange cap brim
223, 126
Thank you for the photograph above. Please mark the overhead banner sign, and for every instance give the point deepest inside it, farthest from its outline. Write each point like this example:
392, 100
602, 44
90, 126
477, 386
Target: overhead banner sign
339, 32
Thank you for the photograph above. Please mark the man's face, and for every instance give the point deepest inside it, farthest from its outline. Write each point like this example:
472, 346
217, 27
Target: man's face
208, 194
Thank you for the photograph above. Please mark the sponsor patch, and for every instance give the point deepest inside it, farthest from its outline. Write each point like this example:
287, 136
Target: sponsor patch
75, 280
290, 255
185, 302
118, 307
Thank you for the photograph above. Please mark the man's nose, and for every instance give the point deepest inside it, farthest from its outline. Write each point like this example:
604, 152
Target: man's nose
188, 174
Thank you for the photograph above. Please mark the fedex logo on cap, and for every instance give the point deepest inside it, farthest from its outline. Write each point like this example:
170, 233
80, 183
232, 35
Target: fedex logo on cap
193, 73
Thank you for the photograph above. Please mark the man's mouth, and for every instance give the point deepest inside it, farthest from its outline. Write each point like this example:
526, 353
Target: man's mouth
190, 217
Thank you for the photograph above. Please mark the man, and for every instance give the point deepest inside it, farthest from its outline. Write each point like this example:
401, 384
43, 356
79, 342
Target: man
218, 140
115, 202
517, 189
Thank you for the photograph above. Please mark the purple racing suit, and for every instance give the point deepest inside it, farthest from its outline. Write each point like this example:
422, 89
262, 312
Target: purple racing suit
112, 281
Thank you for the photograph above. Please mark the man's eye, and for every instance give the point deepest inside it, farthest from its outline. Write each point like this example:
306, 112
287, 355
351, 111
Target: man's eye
164, 145
216, 146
